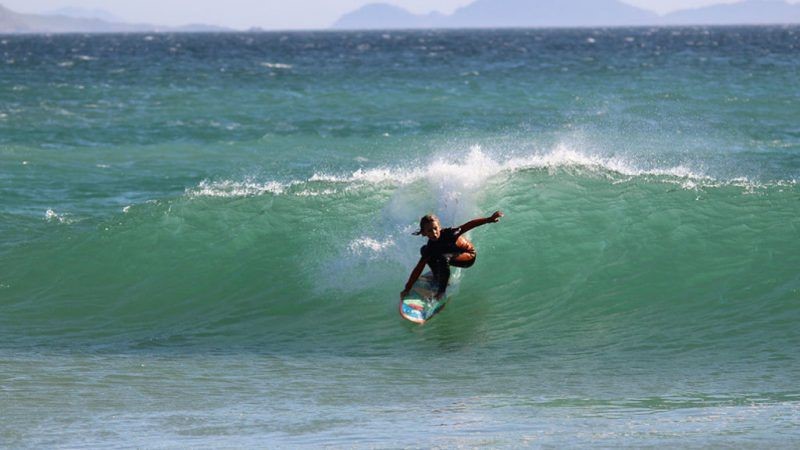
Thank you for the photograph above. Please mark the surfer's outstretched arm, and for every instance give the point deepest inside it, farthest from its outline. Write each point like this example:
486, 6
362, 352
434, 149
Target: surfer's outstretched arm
482, 221
414, 276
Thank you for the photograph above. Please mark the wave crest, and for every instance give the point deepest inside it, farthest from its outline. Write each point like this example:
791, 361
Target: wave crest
473, 170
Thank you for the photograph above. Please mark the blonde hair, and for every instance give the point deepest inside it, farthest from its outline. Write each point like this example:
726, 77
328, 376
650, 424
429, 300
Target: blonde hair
426, 219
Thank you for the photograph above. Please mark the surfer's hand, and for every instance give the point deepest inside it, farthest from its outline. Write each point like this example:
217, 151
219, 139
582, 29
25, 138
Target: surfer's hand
496, 216
403, 294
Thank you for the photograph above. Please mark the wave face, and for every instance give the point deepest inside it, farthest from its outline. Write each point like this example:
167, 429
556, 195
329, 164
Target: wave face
653, 259
649, 179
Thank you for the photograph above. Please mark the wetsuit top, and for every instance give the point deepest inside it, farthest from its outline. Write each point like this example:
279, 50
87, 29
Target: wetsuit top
449, 242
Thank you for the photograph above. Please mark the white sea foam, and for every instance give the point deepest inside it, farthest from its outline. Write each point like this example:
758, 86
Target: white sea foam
563, 157
370, 246
468, 173
52, 216
271, 65
472, 170
371, 176
311, 193
229, 188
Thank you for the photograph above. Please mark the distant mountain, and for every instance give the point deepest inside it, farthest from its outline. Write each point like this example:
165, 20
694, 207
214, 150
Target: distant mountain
747, 12
566, 13
84, 13
383, 16
548, 13
502, 13
13, 22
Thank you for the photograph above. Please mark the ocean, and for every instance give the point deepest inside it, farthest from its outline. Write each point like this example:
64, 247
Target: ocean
203, 238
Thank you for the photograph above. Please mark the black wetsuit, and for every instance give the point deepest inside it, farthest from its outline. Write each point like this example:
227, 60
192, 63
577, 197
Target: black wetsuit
441, 252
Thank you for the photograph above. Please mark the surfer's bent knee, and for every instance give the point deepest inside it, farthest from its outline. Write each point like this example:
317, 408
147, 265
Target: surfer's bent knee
464, 260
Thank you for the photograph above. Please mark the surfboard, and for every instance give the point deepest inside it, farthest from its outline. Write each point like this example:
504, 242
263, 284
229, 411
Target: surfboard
420, 305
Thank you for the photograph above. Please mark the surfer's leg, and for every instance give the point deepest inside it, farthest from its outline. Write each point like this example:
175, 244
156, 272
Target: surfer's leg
443, 277
441, 271
466, 259
440, 268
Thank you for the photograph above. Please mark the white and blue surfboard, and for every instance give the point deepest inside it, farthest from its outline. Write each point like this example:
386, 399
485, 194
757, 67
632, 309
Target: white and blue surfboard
420, 305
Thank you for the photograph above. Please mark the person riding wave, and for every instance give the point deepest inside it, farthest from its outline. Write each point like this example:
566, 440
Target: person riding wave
446, 247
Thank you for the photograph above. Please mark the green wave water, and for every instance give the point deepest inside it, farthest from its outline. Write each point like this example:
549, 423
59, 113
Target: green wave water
670, 249
204, 238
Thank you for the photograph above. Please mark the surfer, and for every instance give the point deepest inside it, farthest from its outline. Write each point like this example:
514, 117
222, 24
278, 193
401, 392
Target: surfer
446, 247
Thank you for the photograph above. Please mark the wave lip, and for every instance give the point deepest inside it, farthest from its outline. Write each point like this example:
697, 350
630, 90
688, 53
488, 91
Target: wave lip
565, 157
371, 176
230, 188
472, 170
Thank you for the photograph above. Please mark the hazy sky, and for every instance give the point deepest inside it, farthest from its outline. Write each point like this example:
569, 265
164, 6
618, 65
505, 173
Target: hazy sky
273, 14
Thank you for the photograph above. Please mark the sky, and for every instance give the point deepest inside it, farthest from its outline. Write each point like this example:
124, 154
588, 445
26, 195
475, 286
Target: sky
274, 14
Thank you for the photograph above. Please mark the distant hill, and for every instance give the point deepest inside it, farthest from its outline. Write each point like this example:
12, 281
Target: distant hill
548, 13
567, 13
84, 13
501, 13
383, 16
753, 12
13, 22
